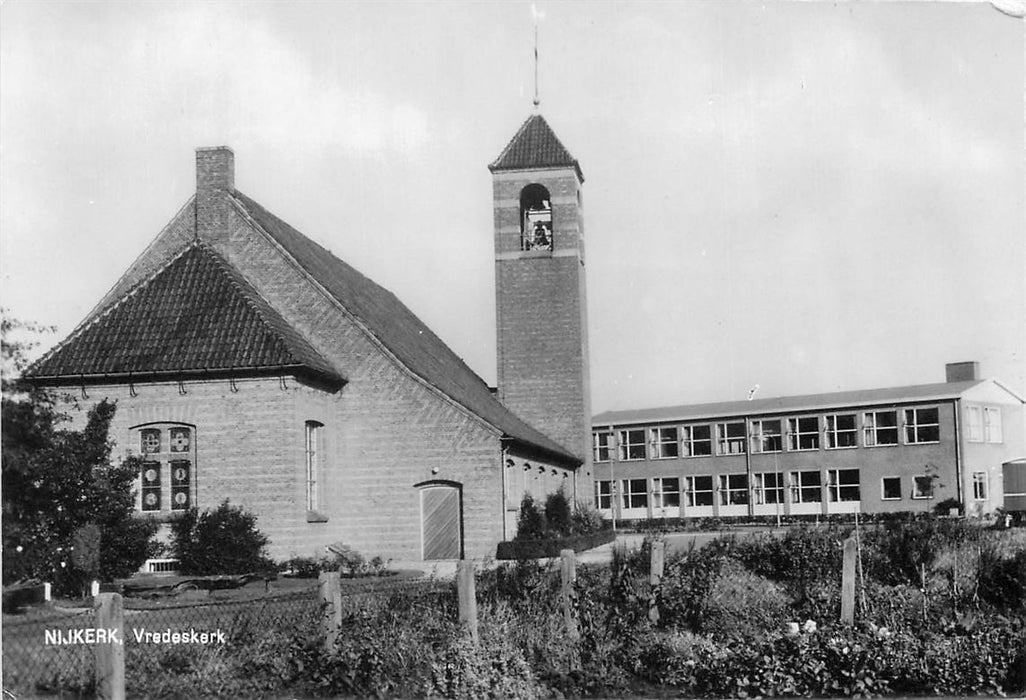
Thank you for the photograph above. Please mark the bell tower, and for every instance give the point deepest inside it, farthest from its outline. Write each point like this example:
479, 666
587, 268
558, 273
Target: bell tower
541, 309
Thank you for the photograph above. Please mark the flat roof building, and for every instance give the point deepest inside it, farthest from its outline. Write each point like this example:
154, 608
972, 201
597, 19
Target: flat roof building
877, 450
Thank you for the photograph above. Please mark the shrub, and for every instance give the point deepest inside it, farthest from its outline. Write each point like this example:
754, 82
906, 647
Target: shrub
557, 514
551, 547
223, 541
531, 523
586, 519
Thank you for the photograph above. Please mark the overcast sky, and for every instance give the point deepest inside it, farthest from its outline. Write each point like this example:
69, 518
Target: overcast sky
806, 196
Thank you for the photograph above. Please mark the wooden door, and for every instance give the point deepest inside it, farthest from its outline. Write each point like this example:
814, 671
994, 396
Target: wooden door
440, 513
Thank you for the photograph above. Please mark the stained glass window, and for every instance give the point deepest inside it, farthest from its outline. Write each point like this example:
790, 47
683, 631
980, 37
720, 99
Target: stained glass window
151, 486
179, 439
150, 440
179, 485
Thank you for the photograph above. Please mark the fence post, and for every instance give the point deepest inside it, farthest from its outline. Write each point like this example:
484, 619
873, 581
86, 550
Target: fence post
568, 571
331, 599
848, 583
655, 578
110, 655
467, 596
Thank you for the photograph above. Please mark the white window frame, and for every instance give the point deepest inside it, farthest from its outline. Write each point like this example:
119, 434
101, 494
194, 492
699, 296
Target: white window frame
630, 440
603, 443
797, 430
314, 457
689, 441
629, 494
733, 489
832, 432
729, 440
974, 423
766, 484
883, 489
871, 429
980, 486
763, 439
691, 492
914, 424
662, 444
662, 488
992, 432
839, 491
918, 493
799, 487
604, 491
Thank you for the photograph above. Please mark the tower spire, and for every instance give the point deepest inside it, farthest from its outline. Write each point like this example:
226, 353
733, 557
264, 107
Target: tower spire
537, 16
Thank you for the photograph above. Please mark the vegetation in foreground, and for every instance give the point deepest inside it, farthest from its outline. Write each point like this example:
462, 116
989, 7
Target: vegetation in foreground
945, 616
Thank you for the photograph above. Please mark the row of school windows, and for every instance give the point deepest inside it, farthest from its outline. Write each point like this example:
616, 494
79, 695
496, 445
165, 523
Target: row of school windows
767, 488
168, 457
802, 433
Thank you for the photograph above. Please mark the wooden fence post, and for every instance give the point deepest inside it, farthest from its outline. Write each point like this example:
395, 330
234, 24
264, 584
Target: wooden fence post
848, 583
331, 598
467, 596
110, 654
655, 578
568, 571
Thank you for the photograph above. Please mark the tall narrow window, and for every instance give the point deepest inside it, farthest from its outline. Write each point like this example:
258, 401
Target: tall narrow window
992, 425
974, 424
151, 486
979, 486
313, 464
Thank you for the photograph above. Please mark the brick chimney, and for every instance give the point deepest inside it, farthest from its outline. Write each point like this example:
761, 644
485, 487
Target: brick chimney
962, 371
215, 182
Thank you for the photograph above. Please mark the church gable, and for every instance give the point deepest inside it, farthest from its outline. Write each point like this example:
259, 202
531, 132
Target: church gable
197, 314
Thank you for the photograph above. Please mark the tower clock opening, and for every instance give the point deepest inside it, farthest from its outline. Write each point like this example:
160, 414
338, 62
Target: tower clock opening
535, 218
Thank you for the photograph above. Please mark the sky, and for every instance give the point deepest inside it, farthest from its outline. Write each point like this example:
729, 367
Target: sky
804, 196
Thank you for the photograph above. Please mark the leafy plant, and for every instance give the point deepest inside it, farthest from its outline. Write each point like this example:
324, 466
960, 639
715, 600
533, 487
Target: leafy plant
222, 541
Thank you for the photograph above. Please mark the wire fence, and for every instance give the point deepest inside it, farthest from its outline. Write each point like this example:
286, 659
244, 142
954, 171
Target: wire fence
50, 651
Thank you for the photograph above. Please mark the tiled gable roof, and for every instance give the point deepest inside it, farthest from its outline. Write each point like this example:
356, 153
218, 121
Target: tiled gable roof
196, 314
399, 330
535, 145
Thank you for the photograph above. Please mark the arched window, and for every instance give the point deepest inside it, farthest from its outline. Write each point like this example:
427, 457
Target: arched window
167, 477
535, 218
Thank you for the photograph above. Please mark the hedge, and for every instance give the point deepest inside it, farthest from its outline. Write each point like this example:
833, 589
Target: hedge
540, 549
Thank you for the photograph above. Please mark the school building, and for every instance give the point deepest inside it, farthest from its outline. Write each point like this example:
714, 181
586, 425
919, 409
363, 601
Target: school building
878, 450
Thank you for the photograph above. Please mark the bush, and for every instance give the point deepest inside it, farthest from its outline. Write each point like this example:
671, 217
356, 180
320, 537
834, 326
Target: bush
586, 519
557, 514
223, 541
531, 523
551, 547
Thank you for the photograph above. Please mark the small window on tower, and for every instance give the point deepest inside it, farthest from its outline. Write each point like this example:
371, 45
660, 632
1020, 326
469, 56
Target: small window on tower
535, 218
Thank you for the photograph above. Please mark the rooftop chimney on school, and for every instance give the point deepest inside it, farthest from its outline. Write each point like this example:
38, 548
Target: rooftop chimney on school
215, 183
962, 371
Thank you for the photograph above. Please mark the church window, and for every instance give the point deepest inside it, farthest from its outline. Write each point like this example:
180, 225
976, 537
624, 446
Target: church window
535, 218
313, 464
167, 473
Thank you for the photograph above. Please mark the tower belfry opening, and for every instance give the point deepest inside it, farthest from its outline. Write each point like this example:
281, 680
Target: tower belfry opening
535, 218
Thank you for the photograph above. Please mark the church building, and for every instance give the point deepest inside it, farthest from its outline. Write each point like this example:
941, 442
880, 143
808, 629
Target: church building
249, 363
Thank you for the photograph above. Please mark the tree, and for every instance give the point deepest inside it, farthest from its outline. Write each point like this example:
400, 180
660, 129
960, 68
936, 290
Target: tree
57, 482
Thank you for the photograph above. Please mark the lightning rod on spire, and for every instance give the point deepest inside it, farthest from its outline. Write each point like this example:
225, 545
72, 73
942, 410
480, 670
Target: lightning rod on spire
537, 15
